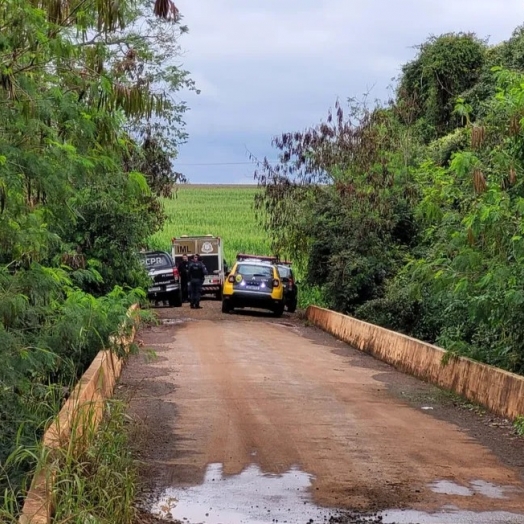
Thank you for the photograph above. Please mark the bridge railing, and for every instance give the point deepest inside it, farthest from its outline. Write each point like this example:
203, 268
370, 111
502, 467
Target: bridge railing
500, 391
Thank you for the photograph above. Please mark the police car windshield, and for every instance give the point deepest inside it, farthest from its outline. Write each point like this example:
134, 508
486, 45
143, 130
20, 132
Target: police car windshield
250, 270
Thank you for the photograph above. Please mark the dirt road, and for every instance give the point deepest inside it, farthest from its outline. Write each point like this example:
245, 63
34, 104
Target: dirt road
229, 396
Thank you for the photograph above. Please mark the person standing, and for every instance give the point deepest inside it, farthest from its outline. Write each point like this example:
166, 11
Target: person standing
196, 273
183, 267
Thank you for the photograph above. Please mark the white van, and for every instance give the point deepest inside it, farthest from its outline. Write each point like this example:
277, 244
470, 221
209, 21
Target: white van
211, 251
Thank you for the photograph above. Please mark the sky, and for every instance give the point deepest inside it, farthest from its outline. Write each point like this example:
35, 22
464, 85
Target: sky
265, 67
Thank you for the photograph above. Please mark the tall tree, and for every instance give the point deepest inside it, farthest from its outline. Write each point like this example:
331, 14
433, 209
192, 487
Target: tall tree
445, 67
82, 83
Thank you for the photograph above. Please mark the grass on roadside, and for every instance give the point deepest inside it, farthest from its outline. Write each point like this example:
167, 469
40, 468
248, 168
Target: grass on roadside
97, 485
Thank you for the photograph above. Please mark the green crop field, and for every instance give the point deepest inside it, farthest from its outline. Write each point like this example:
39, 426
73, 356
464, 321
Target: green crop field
218, 210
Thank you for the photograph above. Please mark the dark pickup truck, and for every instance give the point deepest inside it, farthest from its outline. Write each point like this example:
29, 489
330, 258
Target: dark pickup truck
165, 283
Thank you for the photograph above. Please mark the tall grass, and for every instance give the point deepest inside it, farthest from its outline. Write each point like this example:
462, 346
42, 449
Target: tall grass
225, 211
92, 484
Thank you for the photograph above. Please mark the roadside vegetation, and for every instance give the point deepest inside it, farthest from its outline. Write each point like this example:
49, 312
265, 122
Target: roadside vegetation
96, 483
410, 214
83, 163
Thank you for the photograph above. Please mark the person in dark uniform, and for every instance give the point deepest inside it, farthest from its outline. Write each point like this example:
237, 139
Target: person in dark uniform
183, 267
196, 273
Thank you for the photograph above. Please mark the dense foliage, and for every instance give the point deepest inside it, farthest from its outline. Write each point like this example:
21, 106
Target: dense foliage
410, 215
81, 91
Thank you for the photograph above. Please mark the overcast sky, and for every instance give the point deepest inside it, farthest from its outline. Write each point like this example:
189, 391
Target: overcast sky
269, 66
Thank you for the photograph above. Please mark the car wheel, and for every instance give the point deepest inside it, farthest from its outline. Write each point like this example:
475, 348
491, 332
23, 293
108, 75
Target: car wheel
292, 307
278, 311
226, 308
218, 295
176, 299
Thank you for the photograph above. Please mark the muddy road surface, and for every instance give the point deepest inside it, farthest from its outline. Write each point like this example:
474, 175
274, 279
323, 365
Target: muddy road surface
250, 419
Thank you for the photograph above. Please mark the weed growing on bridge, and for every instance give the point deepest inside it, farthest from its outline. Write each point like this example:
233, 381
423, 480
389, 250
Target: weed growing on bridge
519, 425
99, 485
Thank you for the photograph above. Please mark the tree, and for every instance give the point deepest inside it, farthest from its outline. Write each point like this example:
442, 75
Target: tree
446, 67
339, 199
78, 81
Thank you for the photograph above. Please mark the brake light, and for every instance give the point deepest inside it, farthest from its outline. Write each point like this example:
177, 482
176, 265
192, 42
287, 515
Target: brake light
175, 272
276, 282
231, 279
291, 281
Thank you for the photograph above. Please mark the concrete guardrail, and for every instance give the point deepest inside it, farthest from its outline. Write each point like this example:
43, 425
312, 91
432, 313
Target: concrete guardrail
498, 390
79, 419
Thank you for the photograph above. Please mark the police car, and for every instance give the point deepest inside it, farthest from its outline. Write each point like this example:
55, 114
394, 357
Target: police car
165, 280
254, 282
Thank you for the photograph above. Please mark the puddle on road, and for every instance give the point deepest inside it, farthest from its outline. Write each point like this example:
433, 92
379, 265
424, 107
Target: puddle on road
253, 497
450, 516
490, 490
446, 487
454, 515
174, 321
250, 497
480, 487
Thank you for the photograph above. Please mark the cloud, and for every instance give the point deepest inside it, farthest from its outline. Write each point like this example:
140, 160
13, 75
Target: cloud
268, 66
